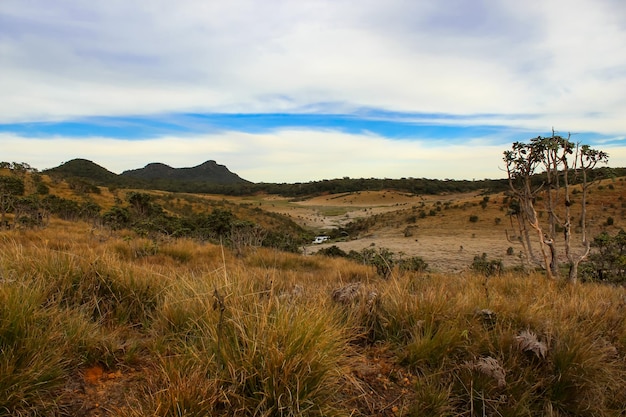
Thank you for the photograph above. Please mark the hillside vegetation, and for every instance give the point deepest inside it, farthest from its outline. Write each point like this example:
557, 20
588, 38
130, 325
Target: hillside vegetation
212, 178
145, 303
114, 325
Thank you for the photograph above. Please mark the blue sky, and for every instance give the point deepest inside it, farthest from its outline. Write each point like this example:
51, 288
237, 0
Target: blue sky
285, 91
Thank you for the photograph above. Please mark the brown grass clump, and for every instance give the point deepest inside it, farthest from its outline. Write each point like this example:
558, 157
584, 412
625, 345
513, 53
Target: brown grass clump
490, 367
527, 342
191, 329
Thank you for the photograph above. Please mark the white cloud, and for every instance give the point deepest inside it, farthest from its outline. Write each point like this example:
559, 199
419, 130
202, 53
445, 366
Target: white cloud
562, 59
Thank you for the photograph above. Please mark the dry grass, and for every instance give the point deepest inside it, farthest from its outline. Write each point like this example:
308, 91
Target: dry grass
195, 330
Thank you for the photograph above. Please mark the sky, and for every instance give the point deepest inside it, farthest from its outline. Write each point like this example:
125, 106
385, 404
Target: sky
296, 91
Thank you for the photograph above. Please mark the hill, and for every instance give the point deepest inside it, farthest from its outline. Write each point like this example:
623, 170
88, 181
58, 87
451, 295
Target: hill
152, 176
210, 171
84, 168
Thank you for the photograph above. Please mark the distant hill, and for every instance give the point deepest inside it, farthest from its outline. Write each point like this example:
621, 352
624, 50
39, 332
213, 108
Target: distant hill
83, 168
154, 175
210, 171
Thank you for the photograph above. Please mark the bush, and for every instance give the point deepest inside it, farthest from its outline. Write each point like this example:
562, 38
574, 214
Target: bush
332, 251
608, 262
413, 264
381, 259
473, 218
42, 189
486, 267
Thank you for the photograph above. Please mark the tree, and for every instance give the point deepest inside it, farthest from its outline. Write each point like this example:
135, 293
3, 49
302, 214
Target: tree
141, 203
29, 212
545, 170
10, 188
116, 218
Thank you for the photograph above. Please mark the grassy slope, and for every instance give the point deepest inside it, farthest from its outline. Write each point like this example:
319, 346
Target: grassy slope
134, 328
189, 327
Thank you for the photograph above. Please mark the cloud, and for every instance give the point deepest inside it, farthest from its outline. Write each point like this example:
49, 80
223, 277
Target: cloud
450, 79
289, 155
75, 59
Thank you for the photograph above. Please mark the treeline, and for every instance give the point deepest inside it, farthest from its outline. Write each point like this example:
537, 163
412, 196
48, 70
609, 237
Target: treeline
418, 186
143, 214
83, 170
333, 186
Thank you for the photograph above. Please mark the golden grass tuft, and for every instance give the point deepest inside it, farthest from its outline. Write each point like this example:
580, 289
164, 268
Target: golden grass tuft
210, 333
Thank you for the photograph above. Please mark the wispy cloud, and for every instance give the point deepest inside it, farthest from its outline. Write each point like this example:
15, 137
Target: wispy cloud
421, 73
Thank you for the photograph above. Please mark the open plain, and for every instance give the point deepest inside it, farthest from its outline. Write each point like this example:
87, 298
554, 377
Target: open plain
434, 227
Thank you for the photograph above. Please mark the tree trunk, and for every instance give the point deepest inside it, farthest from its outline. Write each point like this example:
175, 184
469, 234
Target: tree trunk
542, 245
573, 272
554, 262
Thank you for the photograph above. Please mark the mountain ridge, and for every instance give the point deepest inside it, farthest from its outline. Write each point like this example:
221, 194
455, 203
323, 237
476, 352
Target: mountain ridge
207, 172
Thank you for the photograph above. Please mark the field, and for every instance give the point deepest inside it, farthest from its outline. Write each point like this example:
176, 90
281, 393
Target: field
445, 237
100, 322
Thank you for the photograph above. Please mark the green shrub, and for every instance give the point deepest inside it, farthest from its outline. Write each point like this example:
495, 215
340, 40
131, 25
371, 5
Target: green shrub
332, 251
413, 264
382, 259
486, 267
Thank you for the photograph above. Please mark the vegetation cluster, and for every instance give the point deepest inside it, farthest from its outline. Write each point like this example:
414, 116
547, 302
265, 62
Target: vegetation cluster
140, 303
382, 259
97, 175
28, 200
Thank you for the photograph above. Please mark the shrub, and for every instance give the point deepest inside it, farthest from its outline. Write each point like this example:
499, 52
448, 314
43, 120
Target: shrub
608, 261
413, 264
382, 259
332, 251
486, 267
42, 189
473, 218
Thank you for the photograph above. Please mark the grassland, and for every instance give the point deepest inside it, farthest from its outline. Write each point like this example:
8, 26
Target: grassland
95, 322
119, 327
435, 227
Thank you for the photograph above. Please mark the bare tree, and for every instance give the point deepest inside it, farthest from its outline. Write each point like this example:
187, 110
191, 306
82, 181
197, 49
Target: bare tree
546, 169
